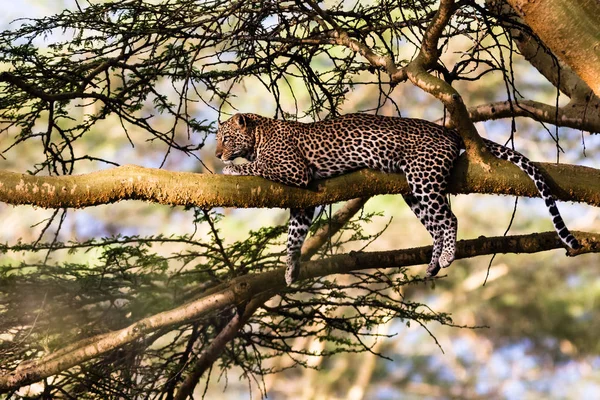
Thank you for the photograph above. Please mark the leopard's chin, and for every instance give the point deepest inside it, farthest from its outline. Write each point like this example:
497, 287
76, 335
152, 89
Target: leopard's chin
227, 162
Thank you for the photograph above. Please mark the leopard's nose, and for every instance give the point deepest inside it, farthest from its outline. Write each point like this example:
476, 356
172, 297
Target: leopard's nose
219, 153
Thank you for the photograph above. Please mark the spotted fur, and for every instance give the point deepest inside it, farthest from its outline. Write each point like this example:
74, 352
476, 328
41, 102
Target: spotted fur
295, 153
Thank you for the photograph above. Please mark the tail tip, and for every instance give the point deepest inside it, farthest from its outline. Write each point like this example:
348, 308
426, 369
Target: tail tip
574, 244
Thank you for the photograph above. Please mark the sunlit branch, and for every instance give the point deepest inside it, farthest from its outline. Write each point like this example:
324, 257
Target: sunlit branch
569, 183
417, 71
546, 18
567, 116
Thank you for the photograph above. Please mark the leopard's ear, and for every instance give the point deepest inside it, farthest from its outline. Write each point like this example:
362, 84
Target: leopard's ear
239, 120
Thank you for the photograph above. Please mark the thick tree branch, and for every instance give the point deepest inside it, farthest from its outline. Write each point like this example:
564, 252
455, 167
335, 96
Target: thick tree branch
571, 32
429, 53
184, 34
243, 289
583, 111
325, 232
576, 116
417, 72
215, 348
551, 67
569, 183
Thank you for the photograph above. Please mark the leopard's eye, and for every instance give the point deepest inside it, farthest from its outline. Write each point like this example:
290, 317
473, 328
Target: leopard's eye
224, 140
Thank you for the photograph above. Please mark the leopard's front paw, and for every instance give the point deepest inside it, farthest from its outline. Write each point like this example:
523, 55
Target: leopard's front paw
230, 169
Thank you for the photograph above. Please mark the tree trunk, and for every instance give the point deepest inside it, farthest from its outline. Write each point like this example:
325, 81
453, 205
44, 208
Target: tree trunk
570, 29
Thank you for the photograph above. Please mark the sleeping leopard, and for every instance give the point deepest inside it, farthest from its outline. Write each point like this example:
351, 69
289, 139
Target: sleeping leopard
295, 153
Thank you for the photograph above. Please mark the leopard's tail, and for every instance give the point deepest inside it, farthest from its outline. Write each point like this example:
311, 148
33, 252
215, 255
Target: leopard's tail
535, 174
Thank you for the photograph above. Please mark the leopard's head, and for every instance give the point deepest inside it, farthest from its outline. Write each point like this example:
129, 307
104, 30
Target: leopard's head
235, 138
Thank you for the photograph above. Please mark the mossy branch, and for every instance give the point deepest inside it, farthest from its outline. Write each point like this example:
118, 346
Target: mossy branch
569, 183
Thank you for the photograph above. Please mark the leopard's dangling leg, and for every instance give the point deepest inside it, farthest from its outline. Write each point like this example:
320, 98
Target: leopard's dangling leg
434, 212
448, 225
300, 220
436, 234
444, 226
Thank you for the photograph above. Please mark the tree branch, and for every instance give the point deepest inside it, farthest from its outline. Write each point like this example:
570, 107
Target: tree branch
551, 67
37, 92
214, 349
324, 233
574, 116
570, 116
569, 183
417, 72
583, 111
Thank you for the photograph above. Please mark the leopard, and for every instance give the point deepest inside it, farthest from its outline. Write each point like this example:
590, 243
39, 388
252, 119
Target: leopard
296, 153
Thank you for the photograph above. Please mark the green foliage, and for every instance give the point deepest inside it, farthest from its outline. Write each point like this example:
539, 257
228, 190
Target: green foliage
47, 305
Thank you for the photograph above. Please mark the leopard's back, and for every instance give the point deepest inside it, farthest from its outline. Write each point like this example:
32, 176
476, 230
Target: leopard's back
355, 141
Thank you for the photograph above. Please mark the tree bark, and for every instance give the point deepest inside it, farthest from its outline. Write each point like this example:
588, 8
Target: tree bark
570, 29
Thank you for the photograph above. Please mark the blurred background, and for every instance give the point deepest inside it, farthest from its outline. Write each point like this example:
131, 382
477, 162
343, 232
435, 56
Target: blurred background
536, 317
